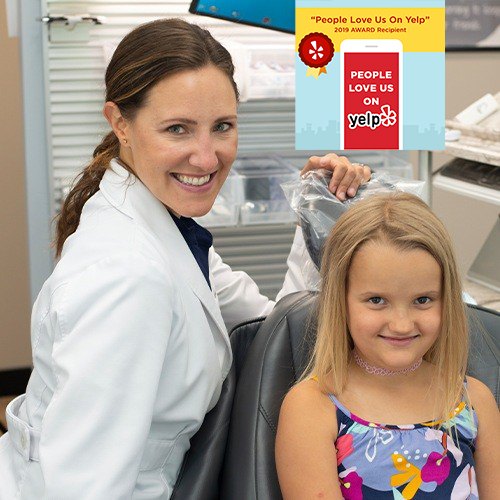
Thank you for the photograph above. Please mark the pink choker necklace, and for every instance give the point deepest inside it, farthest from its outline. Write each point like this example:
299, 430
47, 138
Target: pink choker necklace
375, 370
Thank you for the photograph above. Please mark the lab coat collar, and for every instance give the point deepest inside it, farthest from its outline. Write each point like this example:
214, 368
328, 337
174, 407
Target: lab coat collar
129, 195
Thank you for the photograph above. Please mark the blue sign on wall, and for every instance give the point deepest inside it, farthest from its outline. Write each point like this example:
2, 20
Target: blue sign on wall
276, 14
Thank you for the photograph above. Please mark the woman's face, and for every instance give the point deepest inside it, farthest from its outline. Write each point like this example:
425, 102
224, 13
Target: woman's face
183, 141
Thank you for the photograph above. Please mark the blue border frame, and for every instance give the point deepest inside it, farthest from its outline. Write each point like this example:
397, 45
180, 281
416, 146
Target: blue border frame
35, 146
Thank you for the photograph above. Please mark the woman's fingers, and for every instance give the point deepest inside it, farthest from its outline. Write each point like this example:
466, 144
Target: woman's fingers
342, 179
316, 162
342, 172
363, 174
346, 176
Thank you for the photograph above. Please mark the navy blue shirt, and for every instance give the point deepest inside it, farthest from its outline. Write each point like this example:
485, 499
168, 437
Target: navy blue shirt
198, 239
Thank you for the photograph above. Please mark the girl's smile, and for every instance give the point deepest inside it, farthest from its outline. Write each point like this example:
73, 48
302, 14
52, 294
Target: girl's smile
399, 341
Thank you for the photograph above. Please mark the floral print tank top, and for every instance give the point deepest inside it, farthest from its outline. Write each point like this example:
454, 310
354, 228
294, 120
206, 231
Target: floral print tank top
419, 461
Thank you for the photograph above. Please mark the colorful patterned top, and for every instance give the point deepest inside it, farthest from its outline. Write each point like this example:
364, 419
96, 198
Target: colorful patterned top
420, 461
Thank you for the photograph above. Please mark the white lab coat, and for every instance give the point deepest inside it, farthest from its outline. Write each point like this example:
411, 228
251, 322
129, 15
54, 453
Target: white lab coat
130, 350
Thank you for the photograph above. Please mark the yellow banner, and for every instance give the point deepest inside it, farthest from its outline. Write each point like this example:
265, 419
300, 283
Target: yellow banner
419, 29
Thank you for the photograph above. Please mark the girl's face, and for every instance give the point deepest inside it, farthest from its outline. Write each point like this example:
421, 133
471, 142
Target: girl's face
183, 141
393, 304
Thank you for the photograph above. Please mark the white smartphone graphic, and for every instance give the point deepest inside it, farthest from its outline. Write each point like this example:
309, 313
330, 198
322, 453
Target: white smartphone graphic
371, 94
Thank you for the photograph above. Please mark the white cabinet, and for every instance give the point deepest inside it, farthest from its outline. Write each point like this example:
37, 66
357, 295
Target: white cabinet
470, 210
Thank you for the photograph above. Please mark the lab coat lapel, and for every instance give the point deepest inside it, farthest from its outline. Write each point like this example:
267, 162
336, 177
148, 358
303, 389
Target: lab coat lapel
129, 195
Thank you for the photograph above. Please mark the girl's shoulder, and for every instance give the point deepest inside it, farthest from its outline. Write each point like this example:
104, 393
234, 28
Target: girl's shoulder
481, 398
486, 411
308, 392
306, 405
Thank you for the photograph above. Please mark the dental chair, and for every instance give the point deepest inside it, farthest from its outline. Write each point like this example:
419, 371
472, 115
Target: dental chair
199, 477
274, 362
232, 455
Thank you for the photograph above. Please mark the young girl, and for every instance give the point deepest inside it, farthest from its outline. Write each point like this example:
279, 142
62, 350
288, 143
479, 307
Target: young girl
391, 351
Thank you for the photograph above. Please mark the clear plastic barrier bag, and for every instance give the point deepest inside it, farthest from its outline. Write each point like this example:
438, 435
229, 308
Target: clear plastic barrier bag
318, 209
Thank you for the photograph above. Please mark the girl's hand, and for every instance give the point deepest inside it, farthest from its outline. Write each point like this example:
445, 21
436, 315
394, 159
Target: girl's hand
347, 176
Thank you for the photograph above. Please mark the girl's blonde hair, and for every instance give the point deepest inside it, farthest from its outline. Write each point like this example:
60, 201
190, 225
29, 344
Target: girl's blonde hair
406, 222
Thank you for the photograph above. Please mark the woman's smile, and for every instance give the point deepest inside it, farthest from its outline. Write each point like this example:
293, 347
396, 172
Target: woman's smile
195, 183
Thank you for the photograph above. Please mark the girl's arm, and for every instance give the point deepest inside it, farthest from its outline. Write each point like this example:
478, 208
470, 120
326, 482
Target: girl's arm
487, 455
306, 458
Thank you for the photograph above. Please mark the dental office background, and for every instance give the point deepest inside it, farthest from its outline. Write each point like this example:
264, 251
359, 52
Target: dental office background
51, 98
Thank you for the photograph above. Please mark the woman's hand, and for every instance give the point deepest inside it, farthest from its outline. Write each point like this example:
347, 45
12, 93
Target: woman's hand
347, 176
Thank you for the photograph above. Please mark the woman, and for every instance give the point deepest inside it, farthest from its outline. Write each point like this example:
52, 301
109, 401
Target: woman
129, 333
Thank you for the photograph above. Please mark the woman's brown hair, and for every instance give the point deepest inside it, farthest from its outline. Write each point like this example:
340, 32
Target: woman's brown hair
148, 54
